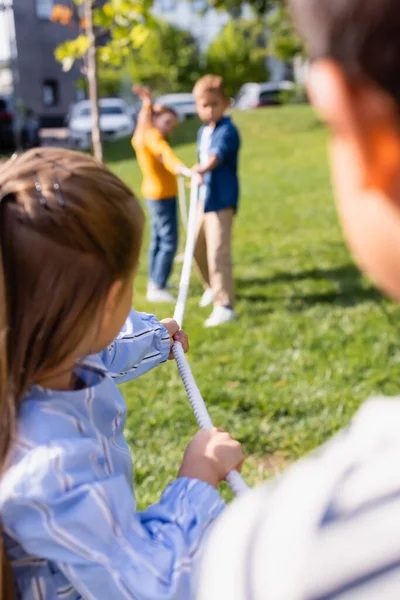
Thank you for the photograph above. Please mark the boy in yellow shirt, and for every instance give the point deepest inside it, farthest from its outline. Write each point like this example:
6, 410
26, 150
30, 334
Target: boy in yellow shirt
159, 166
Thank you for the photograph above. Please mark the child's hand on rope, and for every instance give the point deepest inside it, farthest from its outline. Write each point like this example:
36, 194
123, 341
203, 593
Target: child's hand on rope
211, 455
176, 335
199, 171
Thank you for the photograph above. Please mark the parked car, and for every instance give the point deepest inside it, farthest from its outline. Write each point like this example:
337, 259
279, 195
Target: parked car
183, 104
25, 128
115, 122
7, 137
258, 95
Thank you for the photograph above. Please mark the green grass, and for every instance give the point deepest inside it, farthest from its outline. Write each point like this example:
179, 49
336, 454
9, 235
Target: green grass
314, 338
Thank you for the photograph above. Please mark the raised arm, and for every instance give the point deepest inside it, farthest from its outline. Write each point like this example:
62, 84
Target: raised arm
160, 148
144, 118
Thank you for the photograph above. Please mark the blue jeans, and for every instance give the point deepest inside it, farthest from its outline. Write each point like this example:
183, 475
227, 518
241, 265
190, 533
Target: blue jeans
164, 239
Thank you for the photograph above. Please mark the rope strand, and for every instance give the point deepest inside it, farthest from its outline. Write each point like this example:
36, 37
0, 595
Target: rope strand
234, 479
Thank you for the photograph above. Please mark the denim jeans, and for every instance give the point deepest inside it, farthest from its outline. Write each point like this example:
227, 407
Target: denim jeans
163, 240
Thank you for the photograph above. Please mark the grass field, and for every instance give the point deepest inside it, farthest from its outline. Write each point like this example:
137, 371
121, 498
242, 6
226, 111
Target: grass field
314, 338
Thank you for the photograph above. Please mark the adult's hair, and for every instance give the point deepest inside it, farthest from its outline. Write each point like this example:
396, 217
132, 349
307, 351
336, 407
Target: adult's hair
69, 228
209, 83
362, 36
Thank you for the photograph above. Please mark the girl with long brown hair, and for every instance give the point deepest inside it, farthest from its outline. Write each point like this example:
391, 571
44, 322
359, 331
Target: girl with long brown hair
70, 237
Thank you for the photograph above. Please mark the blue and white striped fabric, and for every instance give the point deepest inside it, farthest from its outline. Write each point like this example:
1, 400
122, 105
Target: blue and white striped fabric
329, 529
67, 502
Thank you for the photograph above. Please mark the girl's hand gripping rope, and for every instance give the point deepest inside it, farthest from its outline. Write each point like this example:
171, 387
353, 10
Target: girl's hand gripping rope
176, 335
211, 455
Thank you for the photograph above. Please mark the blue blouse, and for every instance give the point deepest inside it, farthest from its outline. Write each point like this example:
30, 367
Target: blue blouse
67, 503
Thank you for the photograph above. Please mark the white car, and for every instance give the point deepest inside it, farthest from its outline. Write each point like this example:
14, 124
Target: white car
115, 122
183, 104
259, 95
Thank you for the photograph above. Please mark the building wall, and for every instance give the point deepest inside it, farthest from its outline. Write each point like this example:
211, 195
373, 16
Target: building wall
36, 40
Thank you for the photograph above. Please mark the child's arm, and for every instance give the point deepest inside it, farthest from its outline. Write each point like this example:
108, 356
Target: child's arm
142, 344
212, 163
144, 118
160, 148
227, 144
145, 135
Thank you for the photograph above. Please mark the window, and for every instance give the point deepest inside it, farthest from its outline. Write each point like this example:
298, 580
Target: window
50, 92
44, 9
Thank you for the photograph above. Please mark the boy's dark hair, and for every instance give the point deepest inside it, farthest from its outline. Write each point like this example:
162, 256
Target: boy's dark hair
362, 36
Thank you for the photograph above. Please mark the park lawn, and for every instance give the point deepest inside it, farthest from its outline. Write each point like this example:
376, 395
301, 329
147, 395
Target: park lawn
313, 339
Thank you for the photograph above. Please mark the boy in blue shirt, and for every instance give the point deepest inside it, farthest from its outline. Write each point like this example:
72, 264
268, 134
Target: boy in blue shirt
218, 146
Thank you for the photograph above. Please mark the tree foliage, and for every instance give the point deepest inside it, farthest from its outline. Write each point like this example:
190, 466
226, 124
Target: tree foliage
284, 43
234, 7
120, 25
239, 54
168, 60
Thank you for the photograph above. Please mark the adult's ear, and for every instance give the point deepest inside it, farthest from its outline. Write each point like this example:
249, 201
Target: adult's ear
365, 117
365, 166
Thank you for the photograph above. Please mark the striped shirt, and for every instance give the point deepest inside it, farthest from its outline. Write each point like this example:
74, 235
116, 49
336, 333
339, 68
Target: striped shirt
329, 529
67, 501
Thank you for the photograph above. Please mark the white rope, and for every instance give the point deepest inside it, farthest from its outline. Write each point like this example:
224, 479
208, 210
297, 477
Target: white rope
189, 251
182, 199
234, 478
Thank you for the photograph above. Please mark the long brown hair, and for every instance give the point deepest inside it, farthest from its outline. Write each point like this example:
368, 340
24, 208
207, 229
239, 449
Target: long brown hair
69, 228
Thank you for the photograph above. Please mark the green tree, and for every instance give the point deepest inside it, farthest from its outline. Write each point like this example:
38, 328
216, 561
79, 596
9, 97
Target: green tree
106, 36
234, 7
239, 54
283, 41
168, 60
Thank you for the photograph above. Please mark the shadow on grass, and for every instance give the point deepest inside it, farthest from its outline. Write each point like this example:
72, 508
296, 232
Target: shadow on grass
349, 298
350, 293
344, 273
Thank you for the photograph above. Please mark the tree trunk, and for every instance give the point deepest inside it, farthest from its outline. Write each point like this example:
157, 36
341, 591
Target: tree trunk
92, 81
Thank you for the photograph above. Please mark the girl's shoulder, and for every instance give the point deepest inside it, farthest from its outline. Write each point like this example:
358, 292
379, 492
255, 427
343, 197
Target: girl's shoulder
46, 415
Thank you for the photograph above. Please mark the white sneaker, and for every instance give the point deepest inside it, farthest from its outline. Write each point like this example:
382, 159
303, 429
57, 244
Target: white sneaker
155, 294
207, 298
220, 315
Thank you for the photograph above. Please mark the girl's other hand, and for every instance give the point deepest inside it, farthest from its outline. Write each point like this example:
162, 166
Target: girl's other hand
211, 455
